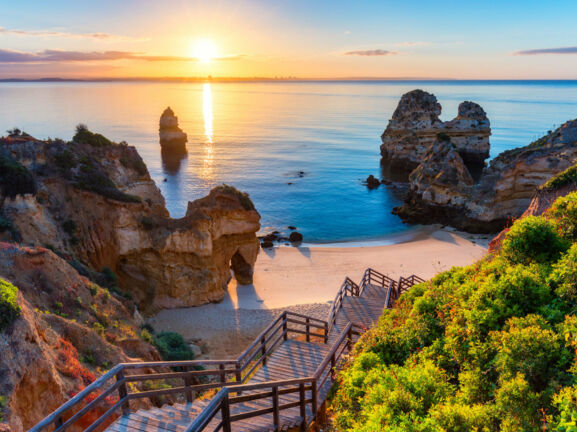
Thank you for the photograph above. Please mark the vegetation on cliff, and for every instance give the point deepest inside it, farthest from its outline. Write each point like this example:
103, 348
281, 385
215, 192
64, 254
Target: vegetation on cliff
15, 179
487, 347
569, 176
9, 307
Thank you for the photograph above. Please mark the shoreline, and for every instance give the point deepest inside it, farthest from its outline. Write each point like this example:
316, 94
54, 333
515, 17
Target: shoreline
305, 279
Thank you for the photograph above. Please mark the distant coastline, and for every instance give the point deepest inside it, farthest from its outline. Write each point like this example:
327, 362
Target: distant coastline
285, 79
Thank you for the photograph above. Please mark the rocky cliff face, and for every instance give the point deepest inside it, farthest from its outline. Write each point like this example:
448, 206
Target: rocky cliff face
504, 191
95, 203
172, 138
68, 329
415, 125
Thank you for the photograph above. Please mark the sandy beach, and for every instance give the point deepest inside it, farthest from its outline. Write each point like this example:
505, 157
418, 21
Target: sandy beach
306, 279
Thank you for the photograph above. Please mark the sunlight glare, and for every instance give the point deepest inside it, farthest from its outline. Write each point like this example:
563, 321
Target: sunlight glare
208, 146
204, 50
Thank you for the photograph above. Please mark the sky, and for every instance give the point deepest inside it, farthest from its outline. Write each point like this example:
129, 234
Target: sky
507, 39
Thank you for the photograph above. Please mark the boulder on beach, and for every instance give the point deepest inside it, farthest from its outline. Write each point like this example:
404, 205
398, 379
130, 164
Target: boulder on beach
172, 138
296, 237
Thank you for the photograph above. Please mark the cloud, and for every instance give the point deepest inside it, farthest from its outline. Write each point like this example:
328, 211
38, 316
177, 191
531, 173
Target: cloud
371, 53
347, 32
47, 56
566, 50
41, 33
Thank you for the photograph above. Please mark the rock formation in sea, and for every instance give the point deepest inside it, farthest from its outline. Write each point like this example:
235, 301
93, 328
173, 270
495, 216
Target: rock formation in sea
94, 202
172, 138
441, 192
415, 125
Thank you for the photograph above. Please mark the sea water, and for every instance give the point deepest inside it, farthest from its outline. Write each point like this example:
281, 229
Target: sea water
300, 149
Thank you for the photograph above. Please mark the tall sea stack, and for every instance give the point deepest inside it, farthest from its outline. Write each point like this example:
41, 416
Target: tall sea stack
172, 138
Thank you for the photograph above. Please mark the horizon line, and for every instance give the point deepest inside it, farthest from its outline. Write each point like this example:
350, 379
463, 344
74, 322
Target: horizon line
275, 79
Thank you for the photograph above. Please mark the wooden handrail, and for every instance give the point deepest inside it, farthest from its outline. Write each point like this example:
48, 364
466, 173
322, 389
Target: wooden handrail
240, 368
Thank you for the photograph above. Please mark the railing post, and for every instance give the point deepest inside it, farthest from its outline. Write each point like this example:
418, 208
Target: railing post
225, 414
326, 332
123, 392
238, 372
333, 361
314, 397
308, 327
222, 374
275, 410
285, 326
59, 422
263, 350
187, 384
303, 407
350, 338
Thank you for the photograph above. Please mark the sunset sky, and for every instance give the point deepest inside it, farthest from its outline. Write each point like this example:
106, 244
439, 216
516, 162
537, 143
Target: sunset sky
513, 39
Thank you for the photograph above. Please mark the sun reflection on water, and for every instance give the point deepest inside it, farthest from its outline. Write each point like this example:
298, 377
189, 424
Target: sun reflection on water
207, 168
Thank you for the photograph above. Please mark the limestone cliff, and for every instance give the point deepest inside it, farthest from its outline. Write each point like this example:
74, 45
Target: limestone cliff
96, 203
69, 329
415, 124
504, 191
172, 138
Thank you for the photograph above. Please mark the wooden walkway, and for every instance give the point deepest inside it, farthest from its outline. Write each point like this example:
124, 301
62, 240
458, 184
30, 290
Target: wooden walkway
288, 371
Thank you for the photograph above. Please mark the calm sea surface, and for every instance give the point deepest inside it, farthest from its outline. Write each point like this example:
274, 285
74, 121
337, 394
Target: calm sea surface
260, 136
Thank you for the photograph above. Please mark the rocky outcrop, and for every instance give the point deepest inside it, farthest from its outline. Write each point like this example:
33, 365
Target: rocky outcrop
68, 329
415, 125
172, 138
503, 193
98, 205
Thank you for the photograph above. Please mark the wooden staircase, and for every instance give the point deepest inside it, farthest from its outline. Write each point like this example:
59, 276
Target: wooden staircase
278, 383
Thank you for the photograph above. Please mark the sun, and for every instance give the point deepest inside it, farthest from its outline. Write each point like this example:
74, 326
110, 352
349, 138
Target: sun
204, 50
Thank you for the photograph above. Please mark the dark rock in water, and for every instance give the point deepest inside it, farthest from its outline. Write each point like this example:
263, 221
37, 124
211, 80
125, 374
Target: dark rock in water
301, 174
292, 228
172, 138
289, 183
386, 182
270, 237
296, 237
267, 244
372, 182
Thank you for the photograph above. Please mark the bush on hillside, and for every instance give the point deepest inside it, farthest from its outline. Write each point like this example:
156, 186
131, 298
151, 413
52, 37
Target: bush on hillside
15, 179
564, 213
85, 136
172, 346
9, 307
562, 179
533, 239
499, 337
243, 197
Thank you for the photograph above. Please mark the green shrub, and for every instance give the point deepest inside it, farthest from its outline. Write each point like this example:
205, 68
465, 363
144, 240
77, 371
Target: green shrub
172, 346
146, 336
563, 278
15, 179
243, 197
93, 180
85, 136
564, 213
518, 406
533, 239
9, 307
564, 178
65, 160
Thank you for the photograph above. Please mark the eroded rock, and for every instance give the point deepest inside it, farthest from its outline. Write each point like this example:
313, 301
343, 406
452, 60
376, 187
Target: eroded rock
503, 193
415, 124
120, 221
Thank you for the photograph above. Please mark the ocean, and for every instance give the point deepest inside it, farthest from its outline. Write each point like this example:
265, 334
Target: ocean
300, 149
